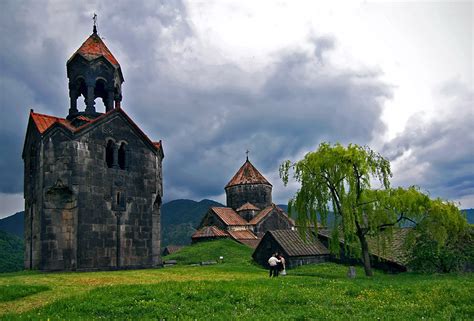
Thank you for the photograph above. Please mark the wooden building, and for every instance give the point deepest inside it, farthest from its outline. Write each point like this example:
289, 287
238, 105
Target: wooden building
292, 247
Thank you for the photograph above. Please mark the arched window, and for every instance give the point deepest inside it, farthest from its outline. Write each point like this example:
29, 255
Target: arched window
122, 153
109, 153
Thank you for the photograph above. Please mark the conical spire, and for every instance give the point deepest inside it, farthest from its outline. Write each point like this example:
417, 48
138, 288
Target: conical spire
247, 174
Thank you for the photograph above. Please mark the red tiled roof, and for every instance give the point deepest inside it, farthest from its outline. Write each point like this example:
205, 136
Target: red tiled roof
248, 207
209, 231
247, 174
242, 235
93, 48
43, 122
228, 216
263, 213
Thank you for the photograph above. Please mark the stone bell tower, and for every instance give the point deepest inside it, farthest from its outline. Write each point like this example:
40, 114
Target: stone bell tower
93, 180
94, 72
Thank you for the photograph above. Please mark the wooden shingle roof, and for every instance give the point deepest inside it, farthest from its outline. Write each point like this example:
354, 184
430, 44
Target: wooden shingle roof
294, 245
247, 174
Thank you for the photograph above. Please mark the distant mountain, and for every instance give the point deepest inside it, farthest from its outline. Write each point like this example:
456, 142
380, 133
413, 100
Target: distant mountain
11, 252
469, 215
179, 219
13, 224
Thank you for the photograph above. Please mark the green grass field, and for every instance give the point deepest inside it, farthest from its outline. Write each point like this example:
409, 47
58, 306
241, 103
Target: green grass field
235, 289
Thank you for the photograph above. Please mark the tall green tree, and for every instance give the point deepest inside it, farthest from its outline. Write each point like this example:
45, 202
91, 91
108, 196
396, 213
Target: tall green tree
340, 178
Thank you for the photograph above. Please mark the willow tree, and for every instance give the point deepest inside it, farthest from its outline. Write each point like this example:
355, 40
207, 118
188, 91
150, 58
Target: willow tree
339, 178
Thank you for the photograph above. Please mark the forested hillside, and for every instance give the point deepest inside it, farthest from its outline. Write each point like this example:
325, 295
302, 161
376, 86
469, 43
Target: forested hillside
11, 252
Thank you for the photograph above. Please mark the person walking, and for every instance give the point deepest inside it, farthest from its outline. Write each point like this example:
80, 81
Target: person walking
273, 263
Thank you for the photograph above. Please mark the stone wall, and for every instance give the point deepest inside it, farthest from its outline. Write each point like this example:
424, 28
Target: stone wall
273, 221
259, 195
96, 217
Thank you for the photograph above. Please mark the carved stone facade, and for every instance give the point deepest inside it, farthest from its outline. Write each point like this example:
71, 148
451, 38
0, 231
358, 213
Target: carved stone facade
93, 181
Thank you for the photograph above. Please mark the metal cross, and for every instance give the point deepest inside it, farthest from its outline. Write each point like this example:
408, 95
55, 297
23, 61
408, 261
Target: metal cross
247, 152
94, 18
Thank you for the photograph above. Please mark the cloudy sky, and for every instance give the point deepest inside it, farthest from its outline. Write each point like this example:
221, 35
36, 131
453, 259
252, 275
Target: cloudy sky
213, 79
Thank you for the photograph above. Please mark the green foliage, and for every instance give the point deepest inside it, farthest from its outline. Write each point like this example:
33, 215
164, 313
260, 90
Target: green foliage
320, 292
11, 252
16, 291
233, 252
339, 178
455, 254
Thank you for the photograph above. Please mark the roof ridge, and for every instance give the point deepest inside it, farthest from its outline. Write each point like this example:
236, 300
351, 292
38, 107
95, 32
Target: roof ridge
248, 174
94, 47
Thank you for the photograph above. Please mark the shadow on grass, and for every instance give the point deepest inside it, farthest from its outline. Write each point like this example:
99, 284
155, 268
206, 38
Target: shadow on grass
16, 291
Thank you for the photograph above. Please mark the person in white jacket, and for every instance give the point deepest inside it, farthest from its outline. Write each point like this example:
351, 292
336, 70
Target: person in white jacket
273, 263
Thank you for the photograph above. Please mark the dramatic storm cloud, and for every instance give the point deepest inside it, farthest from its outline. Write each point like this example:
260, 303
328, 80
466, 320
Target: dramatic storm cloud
212, 86
438, 155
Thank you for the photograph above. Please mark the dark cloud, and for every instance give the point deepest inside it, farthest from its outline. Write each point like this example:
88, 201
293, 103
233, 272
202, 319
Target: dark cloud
438, 155
206, 109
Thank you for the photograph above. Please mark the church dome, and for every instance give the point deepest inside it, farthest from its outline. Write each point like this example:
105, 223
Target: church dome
248, 185
247, 174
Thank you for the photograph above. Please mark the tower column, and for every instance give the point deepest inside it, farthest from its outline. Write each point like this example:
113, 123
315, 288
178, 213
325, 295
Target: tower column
109, 102
73, 94
90, 109
118, 99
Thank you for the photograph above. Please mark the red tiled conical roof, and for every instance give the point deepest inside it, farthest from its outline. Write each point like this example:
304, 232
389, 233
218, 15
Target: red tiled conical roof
247, 174
93, 48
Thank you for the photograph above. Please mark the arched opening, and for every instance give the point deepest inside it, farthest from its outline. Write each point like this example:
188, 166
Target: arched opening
99, 90
109, 154
122, 156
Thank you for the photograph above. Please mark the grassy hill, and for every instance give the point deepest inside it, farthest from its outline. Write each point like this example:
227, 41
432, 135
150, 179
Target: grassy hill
234, 290
11, 252
231, 251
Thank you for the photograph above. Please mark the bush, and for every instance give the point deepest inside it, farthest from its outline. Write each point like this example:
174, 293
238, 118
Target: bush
455, 255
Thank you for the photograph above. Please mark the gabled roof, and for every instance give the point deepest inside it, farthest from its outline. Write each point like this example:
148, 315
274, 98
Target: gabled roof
260, 216
248, 207
229, 216
94, 48
247, 174
44, 122
209, 231
242, 235
294, 245
245, 237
